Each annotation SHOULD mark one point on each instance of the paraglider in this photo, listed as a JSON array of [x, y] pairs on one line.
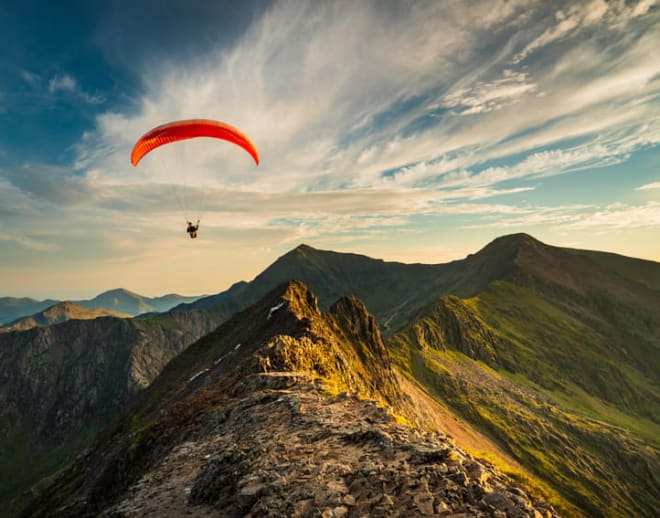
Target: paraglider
[[188, 129], [192, 229]]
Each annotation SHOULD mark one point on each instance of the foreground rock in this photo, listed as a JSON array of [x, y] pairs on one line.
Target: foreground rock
[[282, 447]]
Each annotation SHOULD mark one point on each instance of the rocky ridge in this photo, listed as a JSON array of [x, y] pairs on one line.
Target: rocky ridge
[[283, 411], [281, 446]]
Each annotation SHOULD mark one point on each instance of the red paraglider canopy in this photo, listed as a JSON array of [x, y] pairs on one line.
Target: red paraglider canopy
[[187, 129]]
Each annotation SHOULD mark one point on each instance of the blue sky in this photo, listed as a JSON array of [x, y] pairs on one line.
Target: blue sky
[[409, 131]]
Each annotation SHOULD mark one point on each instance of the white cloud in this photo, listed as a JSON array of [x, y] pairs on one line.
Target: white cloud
[[621, 216], [649, 186], [616, 216], [489, 96], [62, 83], [67, 84], [584, 15]]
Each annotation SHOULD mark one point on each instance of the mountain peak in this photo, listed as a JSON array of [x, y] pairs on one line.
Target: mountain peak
[[118, 292], [304, 248], [302, 302], [515, 241]]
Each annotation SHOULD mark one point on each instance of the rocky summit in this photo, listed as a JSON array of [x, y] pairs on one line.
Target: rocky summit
[[282, 411]]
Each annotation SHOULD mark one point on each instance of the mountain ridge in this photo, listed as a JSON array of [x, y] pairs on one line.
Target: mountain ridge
[[526, 343], [119, 299], [59, 312], [196, 433]]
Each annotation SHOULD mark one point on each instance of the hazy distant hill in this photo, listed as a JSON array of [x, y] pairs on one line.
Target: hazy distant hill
[[120, 300], [57, 313], [12, 308]]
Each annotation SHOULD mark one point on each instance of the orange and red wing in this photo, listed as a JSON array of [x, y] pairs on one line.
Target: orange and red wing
[[187, 129]]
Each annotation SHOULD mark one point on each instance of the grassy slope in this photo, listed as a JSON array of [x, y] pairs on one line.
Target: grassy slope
[[559, 353], [541, 402]]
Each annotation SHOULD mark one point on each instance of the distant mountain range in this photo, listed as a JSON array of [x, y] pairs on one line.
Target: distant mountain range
[[544, 359], [59, 312], [121, 300]]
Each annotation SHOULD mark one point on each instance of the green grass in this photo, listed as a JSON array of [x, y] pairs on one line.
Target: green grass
[[558, 352], [550, 401]]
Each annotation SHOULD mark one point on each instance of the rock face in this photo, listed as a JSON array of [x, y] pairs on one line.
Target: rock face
[[60, 384], [450, 323], [283, 411]]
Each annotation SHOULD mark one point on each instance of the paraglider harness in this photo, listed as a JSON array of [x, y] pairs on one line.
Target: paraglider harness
[[192, 229]]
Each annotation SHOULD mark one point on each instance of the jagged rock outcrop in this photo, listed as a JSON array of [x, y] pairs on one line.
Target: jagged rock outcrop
[[452, 324], [281, 447], [282, 411]]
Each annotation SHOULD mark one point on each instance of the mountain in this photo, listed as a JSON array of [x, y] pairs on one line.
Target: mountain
[[61, 384], [57, 313], [559, 354], [126, 301], [282, 411], [543, 359], [12, 308], [570, 330], [119, 300], [391, 290]]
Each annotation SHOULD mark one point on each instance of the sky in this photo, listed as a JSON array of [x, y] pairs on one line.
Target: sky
[[412, 131]]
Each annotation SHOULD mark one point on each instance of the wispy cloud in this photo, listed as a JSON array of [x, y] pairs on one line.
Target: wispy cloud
[[583, 15], [616, 216], [489, 96], [54, 184], [621, 216], [64, 83], [649, 186], [28, 243], [30, 78], [67, 84]]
